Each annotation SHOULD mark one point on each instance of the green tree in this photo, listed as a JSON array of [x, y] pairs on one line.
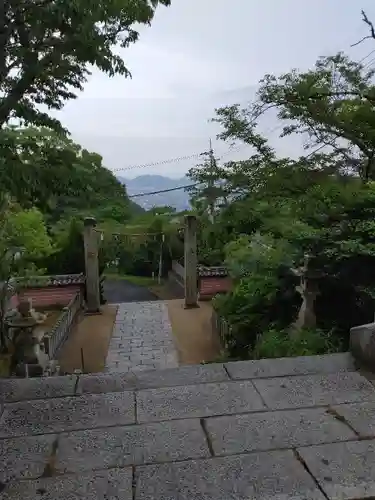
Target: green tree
[[46, 169], [322, 204], [325, 105], [26, 229], [47, 47], [68, 256], [209, 192], [23, 242]]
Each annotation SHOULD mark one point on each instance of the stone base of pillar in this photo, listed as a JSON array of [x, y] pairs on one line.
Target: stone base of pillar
[[93, 313], [192, 306], [362, 344], [33, 370]]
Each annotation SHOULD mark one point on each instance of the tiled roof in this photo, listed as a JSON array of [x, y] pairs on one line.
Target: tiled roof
[[44, 281], [213, 271]]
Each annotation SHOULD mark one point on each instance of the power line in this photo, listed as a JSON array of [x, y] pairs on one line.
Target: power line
[[171, 160], [182, 187], [156, 163], [369, 63], [231, 150], [163, 190], [198, 155], [368, 55], [198, 183], [182, 158]]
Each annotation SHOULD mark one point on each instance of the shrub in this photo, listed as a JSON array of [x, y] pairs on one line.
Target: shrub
[[254, 304], [280, 343]]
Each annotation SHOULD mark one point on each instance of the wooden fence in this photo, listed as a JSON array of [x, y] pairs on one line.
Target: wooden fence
[[63, 326], [178, 269], [222, 328]]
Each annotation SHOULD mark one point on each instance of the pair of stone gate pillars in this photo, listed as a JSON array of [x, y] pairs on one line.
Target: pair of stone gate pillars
[[91, 237]]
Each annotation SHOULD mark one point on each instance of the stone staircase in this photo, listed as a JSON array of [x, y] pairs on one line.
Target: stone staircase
[[280, 429]]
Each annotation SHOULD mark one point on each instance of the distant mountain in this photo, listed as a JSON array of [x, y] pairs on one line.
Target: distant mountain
[[149, 183]]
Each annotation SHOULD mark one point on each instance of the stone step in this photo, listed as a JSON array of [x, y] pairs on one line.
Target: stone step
[[12, 390], [268, 429]]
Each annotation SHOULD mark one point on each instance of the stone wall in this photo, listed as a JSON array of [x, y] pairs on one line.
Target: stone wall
[[46, 291], [212, 280]]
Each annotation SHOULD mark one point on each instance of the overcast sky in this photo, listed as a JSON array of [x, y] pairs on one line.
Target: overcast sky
[[197, 55]]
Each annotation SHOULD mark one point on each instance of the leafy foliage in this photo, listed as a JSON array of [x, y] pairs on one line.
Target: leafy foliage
[[326, 105], [280, 209], [47, 46], [44, 169], [263, 292], [280, 344]]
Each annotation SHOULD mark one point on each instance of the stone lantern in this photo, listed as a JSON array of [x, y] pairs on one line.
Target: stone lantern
[[308, 288]]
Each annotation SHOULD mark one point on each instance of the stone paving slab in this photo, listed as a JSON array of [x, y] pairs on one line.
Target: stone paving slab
[[272, 476], [131, 445], [197, 401], [361, 416], [36, 388], [282, 367], [314, 390], [345, 471], [274, 430], [24, 457], [64, 414], [142, 339], [185, 375], [110, 485], [98, 383], [162, 428], [119, 368]]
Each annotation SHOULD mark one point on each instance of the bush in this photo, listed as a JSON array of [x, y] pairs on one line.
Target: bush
[[254, 304], [280, 343]]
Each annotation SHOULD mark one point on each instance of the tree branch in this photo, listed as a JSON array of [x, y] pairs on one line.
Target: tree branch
[[370, 24], [3, 41]]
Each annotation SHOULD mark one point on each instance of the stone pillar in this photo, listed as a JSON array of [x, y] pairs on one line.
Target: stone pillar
[[362, 344], [190, 264], [90, 237]]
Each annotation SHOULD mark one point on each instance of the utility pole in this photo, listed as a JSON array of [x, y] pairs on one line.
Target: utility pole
[[211, 184], [161, 258]]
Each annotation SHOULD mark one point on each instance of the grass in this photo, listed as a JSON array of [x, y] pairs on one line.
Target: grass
[[307, 342]]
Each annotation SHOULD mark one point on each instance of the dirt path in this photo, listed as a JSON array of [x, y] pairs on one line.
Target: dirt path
[[92, 334], [192, 332]]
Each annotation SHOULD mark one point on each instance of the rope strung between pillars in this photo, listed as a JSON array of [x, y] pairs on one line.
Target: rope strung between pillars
[[116, 245]]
